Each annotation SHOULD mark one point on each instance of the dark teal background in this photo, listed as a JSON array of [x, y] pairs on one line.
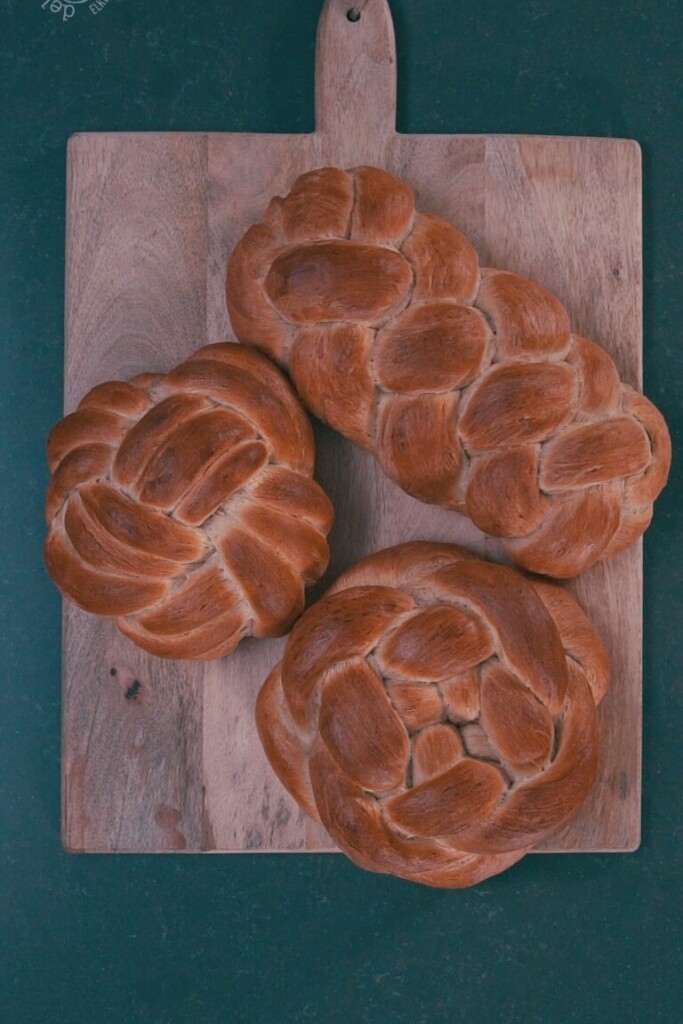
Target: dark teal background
[[284, 939]]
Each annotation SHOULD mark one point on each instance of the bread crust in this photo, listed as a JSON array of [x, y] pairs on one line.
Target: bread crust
[[437, 713], [183, 505], [467, 383]]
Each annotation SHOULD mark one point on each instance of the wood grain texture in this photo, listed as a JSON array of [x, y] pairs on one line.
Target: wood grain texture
[[151, 221]]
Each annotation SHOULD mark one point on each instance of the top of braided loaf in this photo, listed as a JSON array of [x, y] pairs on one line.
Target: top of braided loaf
[[437, 713], [467, 383], [183, 504]]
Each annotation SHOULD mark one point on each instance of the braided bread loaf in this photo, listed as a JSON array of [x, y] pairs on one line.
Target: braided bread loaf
[[437, 713], [466, 383], [183, 504]]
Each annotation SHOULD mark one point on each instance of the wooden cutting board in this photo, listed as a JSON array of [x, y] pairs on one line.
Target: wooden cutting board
[[163, 756]]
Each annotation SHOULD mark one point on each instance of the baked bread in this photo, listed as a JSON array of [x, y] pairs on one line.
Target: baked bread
[[183, 504], [437, 713], [467, 384]]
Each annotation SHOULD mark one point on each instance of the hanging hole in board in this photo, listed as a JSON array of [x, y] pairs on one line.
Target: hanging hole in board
[[353, 14]]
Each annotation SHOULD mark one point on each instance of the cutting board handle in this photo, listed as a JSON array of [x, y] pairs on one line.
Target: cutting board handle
[[355, 80]]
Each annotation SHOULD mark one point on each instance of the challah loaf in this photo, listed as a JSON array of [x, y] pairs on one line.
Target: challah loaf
[[183, 504], [437, 713], [467, 384]]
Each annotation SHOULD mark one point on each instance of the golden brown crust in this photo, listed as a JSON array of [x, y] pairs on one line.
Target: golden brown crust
[[184, 506], [578, 635], [337, 281], [466, 382], [429, 422], [340, 353], [437, 713], [434, 347]]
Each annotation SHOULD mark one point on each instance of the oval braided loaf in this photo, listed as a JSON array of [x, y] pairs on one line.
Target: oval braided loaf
[[183, 504], [437, 713], [467, 384]]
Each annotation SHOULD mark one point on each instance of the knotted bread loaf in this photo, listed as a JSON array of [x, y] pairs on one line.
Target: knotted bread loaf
[[437, 713], [467, 383], [183, 504]]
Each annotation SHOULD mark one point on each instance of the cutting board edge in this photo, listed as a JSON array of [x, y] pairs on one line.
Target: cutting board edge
[[630, 847], [75, 137]]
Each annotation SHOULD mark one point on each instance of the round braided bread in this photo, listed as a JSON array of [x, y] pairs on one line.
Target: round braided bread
[[467, 384], [437, 713], [183, 504]]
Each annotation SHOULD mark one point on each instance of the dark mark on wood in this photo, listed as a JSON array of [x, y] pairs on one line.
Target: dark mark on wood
[[133, 690], [208, 834], [282, 815], [112, 671], [253, 839]]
